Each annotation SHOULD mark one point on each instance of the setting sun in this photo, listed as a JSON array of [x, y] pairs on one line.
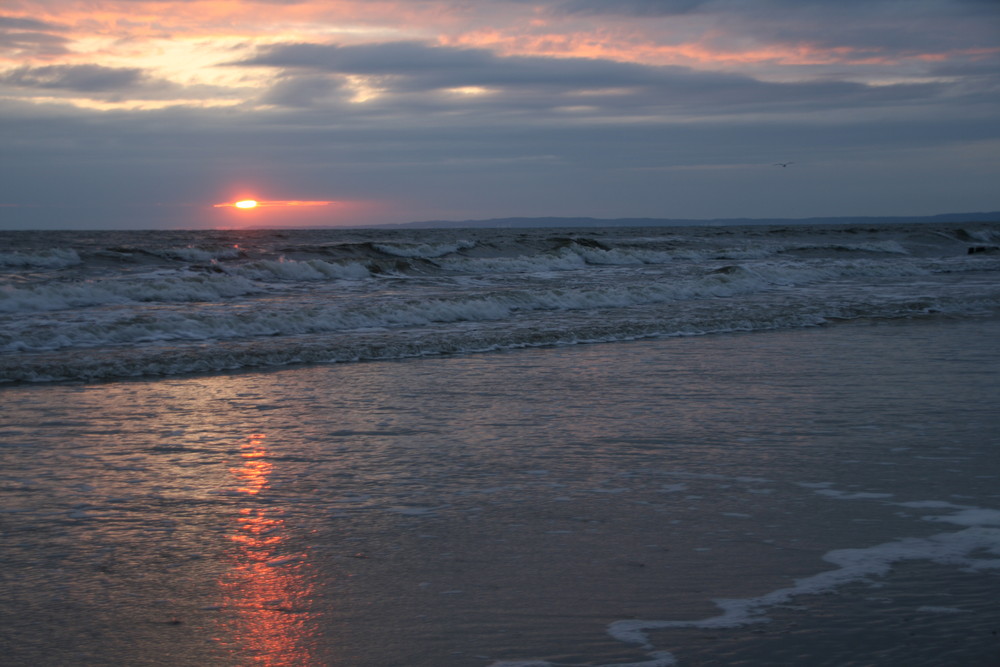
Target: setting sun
[[277, 203]]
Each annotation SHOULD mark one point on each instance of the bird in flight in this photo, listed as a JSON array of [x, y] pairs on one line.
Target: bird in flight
[[782, 164]]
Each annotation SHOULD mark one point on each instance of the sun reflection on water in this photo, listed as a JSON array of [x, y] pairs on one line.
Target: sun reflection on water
[[267, 594]]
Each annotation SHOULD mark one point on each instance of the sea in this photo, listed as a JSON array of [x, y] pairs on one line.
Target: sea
[[642, 447]]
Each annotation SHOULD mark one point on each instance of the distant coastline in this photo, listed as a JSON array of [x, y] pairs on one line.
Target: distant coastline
[[542, 222]]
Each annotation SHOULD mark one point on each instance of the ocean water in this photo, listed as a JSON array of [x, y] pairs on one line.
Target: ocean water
[[101, 305], [784, 452]]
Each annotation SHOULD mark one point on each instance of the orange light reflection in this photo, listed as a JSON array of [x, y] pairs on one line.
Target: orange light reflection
[[267, 591]]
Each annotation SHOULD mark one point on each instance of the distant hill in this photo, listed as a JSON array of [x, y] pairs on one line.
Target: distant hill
[[991, 216]]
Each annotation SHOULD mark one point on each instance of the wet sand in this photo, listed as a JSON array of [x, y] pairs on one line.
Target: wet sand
[[560, 505]]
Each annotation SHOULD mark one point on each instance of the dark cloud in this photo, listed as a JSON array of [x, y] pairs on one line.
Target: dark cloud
[[355, 138], [18, 23], [630, 7], [649, 8], [383, 58], [412, 77], [33, 43], [80, 78], [984, 69], [301, 91], [413, 67], [885, 27], [22, 38]]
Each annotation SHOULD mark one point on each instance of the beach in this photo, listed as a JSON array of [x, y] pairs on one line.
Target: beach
[[566, 505], [439, 333]]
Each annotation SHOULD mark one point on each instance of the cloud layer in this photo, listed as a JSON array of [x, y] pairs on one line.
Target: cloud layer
[[142, 114]]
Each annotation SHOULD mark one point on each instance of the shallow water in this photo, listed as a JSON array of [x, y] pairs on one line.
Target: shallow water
[[576, 506]]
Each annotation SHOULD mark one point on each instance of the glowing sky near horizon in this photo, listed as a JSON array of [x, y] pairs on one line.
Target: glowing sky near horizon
[[418, 109]]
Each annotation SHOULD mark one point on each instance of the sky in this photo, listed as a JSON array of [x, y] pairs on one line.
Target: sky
[[132, 114]]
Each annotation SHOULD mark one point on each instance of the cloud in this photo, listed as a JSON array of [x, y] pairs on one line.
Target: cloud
[[494, 166], [546, 105], [630, 7], [106, 87], [379, 58], [301, 91], [19, 23], [409, 68], [22, 38], [850, 29], [408, 75], [79, 78], [649, 8]]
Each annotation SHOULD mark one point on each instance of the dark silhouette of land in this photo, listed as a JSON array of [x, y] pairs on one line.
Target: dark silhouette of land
[[991, 216]]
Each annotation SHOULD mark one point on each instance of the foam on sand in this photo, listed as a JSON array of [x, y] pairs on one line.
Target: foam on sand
[[971, 549], [967, 549]]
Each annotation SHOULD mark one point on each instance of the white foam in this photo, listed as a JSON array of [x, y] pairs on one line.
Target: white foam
[[984, 235], [974, 516], [423, 250], [931, 504], [854, 565], [625, 256], [518, 297], [932, 609], [223, 323]]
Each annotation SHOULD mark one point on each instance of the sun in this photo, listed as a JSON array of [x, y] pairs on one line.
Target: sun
[[247, 204]]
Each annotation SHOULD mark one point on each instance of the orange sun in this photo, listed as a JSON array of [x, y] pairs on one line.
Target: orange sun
[[247, 204]]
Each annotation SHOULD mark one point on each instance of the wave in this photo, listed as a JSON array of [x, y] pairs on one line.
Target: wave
[[217, 321], [577, 255], [890, 247], [308, 270], [202, 255], [560, 261], [981, 235], [118, 304], [217, 283], [484, 335], [171, 254], [56, 258], [423, 250], [54, 296]]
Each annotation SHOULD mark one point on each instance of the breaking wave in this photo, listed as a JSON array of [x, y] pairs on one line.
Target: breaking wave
[[124, 304]]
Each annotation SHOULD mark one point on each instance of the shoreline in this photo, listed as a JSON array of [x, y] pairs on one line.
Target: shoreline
[[490, 509]]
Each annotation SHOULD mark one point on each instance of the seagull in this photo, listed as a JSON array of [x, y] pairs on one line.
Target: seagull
[[782, 164]]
